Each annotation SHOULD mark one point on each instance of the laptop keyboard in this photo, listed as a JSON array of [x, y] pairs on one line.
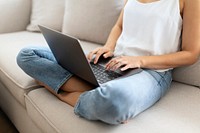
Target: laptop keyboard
[[102, 75]]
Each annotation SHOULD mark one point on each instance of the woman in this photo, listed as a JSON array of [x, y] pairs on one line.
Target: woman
[[147, 35]]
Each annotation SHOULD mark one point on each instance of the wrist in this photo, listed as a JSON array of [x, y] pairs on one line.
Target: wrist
[[109, 47], [141, 62]]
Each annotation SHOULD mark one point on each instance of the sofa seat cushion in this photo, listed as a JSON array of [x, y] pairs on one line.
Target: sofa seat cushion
[[11, 75], [177, 111]]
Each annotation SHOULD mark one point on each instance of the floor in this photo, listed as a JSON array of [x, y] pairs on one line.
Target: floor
[[5, 124]]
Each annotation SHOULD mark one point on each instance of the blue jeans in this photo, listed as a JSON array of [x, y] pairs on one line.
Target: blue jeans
[[113, 102]]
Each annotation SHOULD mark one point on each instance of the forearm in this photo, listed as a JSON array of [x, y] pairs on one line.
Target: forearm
[[113, 37], [115, 32], [173, 60]]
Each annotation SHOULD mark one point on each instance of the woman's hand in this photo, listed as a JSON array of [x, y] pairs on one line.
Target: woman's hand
[[124, 63], [105, 51]]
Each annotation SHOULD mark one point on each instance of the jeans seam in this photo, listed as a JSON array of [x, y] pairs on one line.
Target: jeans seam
[[62, 82]]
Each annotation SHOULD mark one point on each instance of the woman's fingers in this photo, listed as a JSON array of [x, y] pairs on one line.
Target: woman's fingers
[[115, 63], [119, 65], [108, 54], [99, 52], [122, 62], [105, 53], [92, 53], [126, 67]]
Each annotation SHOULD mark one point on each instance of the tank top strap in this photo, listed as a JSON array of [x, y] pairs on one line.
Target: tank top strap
[[173, 9]]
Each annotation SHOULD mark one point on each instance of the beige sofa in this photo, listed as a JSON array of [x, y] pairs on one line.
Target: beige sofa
[[33, 109]]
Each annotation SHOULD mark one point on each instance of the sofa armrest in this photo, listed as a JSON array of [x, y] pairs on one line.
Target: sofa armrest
[[188, 75], [14, 15]]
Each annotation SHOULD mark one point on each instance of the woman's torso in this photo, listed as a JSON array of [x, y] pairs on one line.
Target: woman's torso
[[150, 28]]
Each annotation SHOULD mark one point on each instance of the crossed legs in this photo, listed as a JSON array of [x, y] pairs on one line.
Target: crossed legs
[[71, 90], [39, 63], [113, 102]]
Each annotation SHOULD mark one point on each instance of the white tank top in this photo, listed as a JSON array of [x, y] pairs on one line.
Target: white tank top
[[150, 28]]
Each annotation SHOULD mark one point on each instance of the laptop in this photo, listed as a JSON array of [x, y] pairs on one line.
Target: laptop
[[69, 54]]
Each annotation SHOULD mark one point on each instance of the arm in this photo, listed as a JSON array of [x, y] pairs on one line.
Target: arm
[[115, 33], [190, 41], [108, 49], [190, 45]]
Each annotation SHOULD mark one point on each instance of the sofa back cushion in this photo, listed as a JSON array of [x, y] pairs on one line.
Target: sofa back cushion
[[188, 75], [47, 12], [91, 20], [14, 15]]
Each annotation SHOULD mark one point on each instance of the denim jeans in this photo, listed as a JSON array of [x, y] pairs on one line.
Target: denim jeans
[[112, 102]]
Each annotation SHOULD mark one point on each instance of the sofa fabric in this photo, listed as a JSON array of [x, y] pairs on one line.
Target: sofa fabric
[[46, 12], [94, 19], [13, 77], [16, 112], [188, 75], [177, 111], [16, 11]]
